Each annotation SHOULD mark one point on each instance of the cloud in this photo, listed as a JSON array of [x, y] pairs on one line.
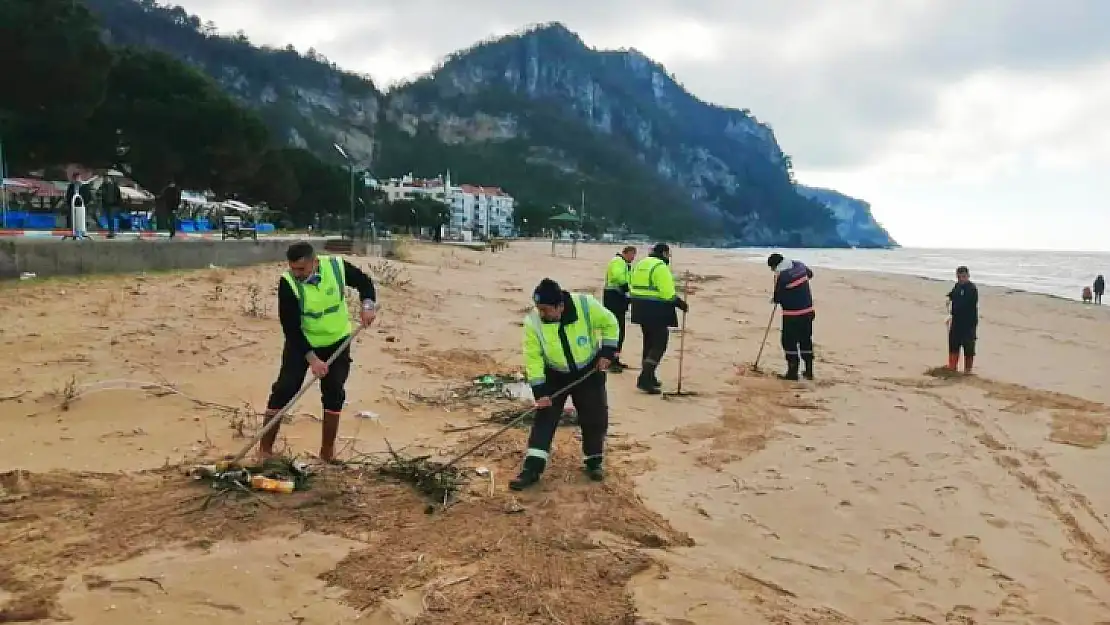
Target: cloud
[[834, 79]]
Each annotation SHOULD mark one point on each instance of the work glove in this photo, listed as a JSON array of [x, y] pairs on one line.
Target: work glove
[[682, 305]]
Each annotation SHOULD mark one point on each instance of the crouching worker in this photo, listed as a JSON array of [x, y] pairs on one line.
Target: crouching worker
[[568, 339], [312, 308]]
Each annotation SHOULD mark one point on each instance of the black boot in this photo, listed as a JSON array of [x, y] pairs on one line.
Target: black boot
[[791, 370], [529, 475], [808, 372], [647, 382], [593, 469]]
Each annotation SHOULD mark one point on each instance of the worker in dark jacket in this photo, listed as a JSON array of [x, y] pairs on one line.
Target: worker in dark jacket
[[654, 301], [793, 295], [569, 341], [312, 308], [615, 295], [1100, 288], [963, 320]]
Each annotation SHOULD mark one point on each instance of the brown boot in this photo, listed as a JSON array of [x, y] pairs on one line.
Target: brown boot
[[954, 361], [328, 434], [266, 445], [968, 362]]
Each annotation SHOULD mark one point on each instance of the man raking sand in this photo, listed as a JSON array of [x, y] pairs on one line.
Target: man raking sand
[[312, 307]]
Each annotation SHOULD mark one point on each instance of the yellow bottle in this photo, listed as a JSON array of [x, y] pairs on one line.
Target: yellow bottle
[[269, 485]]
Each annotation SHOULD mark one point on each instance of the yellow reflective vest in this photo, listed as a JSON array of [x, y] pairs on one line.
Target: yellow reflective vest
[[616, 275], [594, 328], [324, 317], [651, 279]]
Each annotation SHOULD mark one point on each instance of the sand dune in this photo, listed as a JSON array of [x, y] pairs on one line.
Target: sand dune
[[885, 492]]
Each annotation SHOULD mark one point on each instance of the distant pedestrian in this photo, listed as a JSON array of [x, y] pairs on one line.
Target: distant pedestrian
[[1100, 288], [111, 202], [963, 320], [72, 190], [169, 202]]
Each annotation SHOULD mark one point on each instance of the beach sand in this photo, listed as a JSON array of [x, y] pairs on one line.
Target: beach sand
[[880, 493]]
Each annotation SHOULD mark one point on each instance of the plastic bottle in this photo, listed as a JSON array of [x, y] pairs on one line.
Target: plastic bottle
[[269, 485]]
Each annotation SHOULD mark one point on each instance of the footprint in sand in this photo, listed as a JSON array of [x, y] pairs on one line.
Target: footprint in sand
[[994, 521]]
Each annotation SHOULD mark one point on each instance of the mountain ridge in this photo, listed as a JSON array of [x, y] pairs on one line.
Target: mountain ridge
[[538, 112]]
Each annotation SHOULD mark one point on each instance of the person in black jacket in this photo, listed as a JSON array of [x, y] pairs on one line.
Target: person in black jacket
[[793, 295], [111, 201], [169, 203], [1100, 288], [299, 289], [963, 320], [72, 190]]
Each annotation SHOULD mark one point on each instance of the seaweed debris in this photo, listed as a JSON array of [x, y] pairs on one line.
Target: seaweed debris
[[434, 480]]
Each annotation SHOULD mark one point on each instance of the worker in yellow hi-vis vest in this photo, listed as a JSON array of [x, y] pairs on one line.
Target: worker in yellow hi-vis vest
[[654, 300], [615, 296], [312, 308], [569, 341]]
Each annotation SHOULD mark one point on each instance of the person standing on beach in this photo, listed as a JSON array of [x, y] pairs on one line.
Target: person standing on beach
[[793, 295], [569, 340], [654, 300], [1100, 288], [615, 296], [111, 201], [312, 308], [963, 320], [170, 202]]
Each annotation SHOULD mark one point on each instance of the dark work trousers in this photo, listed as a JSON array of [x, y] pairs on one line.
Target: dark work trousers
[[592, 404], [961, 336], [291, 376], [110, 217], [797, 339], [617, 303], [655, 344]]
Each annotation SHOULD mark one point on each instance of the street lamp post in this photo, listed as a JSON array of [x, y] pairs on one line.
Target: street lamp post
[[351, 169]]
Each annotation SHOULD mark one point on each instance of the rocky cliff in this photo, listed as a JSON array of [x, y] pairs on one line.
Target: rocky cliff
[[855, 223], [601, 120], [305, 99]]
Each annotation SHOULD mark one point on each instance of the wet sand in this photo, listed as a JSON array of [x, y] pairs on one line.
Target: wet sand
[[879, 493]]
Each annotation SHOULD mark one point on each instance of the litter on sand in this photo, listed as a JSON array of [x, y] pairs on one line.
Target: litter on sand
[[275, 475]]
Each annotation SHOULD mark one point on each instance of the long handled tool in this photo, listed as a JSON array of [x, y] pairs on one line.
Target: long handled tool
[[274, 420], [512, 424], [678, 392], [766, 333]]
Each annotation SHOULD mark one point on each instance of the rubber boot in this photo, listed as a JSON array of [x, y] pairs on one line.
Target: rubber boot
[[329, 431], [266, 445], [647, 382], [954, 361], [594, 470], [808, 373], [968, 362], [529, 475], [791, 370]]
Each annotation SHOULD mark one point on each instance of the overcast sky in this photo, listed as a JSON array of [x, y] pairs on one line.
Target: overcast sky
[[965, 123]]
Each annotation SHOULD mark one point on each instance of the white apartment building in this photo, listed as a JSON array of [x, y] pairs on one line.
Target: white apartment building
[[482, 211]]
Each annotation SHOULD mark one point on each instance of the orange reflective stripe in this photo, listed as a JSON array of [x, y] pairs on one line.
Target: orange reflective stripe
[[797, 313], [798, 282]]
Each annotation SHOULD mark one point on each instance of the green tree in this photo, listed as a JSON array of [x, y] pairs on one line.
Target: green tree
[[55, 71]]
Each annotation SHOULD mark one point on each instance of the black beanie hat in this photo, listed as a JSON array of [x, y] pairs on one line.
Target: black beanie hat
[[661, 248], [774, 260], [548, 293]]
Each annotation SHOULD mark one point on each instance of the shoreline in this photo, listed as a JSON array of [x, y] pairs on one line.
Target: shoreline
[[856, 498]]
